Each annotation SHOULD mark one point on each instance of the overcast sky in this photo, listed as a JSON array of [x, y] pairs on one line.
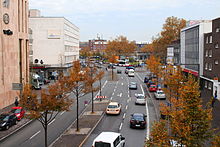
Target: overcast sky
[[138, 20]]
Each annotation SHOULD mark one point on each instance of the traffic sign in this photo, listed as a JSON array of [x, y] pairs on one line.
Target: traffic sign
[[101, 97]]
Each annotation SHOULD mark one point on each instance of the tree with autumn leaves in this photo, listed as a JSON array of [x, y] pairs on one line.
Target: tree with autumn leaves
[[187, 121], [56, 97]]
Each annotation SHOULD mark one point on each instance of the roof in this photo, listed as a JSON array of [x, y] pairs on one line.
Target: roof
[[138, 114], [113, 103], [107, 137]]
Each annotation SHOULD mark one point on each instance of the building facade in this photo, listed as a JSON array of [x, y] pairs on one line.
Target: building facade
[[54, 41], [211, 70], [97, 45], [173, 53], [192, 47], [14, 64]]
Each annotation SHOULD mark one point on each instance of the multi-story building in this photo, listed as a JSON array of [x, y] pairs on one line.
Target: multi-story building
[[173, 53], [97, 45], [211, 70], [140, 55], [54, 42], [192, 47], [14, 66]]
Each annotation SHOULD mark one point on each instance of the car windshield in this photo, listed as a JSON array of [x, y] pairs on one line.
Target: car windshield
[[160, 92], [153, 86], [133, 83], [16, 110], [140, 97], [4, 118], [112, 106], [102, 144], [138, 117]]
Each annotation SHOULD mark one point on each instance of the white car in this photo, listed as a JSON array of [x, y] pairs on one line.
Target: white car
[[159, 94], [113, 108], [131, 73], [140, 99]]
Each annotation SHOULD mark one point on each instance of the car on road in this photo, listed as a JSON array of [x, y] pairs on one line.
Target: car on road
[[159, 94], [113, 108], [140, 99], [109, 139], [131, 73], [19, 112], [7, 120], [119, 71], [153, 88], [138, 120], [146, 79], [132, 85], [149, 83], [128, 68]]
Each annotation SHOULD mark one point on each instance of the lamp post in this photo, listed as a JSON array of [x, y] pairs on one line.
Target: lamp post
[[91, 75]]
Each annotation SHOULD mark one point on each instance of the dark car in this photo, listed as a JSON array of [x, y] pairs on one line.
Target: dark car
[[146, 79], [132, 85], [118, 71], [7, 120], [128, 68], [19, 112], [138, 120]]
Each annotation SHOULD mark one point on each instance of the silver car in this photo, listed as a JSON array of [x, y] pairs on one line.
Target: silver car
[[140, 99]]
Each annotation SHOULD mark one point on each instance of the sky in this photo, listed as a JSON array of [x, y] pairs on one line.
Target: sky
[[138, 20]]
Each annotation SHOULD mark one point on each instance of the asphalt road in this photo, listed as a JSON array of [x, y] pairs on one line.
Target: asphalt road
[[120, 123], [33, 134]]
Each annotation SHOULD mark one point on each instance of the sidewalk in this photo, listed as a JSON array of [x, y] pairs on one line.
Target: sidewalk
[[87, 123]]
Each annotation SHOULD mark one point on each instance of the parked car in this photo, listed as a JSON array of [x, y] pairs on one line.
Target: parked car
[[7, 120], [153, 88], [19, 112], [146, 79], [138, 120], [150, 82], [118, 71], [159, 94], [109, 139], [140, 99], [113, 108], [132, 85]]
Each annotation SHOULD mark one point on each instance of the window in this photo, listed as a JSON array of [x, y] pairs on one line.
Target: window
[[117, 141], [210, 53], [210, 85], [206, 84], [217, 30], [206, 66], [207, 40], [216, 62], [206, 53], [216, 45], [210, 39], [210, 66]]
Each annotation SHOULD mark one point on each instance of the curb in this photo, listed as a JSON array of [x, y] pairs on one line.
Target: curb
[[16, 130], [87, 136]]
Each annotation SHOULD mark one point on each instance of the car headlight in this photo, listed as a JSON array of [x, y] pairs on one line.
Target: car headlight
[[4, 124]]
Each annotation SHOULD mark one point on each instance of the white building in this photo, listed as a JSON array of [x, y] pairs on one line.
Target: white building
[[192, 46], [55, 40]]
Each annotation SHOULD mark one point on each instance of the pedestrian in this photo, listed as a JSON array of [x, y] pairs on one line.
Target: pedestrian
[[214, 98], [16, 101]]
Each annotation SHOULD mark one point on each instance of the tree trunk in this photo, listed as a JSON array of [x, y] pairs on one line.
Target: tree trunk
[[45, 130], [112, 73], [77, 109]]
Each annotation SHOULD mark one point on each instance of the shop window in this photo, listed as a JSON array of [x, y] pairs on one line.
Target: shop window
[[206, 84]]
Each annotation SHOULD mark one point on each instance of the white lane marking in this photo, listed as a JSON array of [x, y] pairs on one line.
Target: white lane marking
[[114, 90], [111, 98], [120, 95], [121, 77], [128, 100], [148, 117], [124, 115], [122, 83], [126, 107], [113, 93], [51, 122], [120, 126], [62, 112], [34, 135]]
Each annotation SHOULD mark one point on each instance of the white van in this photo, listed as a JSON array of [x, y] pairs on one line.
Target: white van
[[131, 73], [109, 139]]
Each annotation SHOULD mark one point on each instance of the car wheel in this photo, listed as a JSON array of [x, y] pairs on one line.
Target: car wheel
[[16, 122], [123, 145], [7, 127]]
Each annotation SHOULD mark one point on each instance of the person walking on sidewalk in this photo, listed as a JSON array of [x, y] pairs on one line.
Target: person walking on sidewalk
[[214, 98], [16, 101]]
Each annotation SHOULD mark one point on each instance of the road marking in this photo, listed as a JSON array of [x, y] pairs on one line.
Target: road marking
[[34, 135], [122, 83], [51, 122], [120, 95], [126, 107], [114, 90], [111, 98], [121, 77], [128, 100], [62, 112], [124, 115], [148, 117], [120, 126], [113, 93]]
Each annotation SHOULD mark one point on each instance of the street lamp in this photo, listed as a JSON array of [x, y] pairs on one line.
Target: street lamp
[[91, 66]]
